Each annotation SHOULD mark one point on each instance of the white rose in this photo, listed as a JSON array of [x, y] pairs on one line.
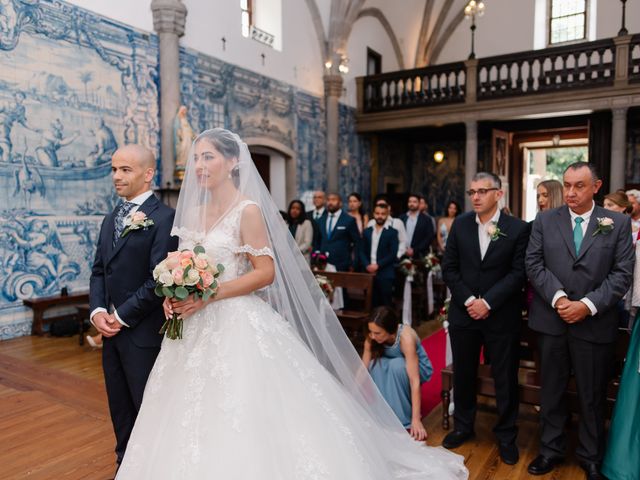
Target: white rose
[[192, 277], [166, 278], [491, 229], [606, 221]]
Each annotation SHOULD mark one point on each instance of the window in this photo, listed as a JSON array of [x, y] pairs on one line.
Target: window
[[374, 62], [247, 16], [567, 21]]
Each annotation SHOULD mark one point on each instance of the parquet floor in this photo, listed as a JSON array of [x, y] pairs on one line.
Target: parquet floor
[[54, 421]]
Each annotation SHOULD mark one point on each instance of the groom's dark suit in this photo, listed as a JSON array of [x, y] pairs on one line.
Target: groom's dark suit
[[121, 278], [498, 278], [600, 272]]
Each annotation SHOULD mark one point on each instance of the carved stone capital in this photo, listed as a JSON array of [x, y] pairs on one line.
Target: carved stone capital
[[169, 16], [333, 85], [619, 113]]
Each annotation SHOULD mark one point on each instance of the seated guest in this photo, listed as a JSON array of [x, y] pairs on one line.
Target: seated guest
[[624, 437], [356, 210], [300, 227], [396, 224], [378, 255], [398, 365], [339, 235], [444, 224], [420, 228], [549, 195]]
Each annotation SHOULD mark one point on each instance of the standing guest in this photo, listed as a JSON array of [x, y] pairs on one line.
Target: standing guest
[[580, 263], [424, 209], [378, 255], [339, 236], [618, 201], [319, 203], [445, 223], [619, 460], [124, 307], [420, 228], [634, 198], [483, 266], [356, 210], [398, 365], [300, 227], [549, 195], [396, 224]]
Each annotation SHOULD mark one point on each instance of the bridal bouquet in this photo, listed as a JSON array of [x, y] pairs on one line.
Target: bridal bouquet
[[184, 273]]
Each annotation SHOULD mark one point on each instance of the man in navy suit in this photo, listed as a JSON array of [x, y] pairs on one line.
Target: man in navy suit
[[378, 255], [420, 230], [124, 307], [339, 235]]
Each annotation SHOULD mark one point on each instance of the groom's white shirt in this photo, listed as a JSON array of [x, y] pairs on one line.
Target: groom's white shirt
[[139, 200]]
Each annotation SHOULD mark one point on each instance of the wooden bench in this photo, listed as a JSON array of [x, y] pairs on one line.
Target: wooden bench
[[529, 378], [358, 289], [40, 305]]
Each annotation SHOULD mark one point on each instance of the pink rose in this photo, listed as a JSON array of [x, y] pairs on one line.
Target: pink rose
[[186, 254], [207, 279], [138, 217], [172, 262], [201, 263], [184, 262], [178, 273]]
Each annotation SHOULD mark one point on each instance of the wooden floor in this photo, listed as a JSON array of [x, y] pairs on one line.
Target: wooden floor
[[54, 421]]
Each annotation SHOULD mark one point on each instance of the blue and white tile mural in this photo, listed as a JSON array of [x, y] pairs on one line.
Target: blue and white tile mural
[[73, 87]]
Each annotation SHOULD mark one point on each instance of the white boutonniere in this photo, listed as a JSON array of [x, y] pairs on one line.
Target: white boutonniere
[[605, 225], [136, 221], [494, 231]]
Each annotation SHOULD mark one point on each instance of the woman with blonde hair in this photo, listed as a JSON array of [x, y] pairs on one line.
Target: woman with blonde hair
[[549, 195]]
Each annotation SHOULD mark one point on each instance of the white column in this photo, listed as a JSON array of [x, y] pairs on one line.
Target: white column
[[618, 149], [332, 93], [169, 17], [470, 157]]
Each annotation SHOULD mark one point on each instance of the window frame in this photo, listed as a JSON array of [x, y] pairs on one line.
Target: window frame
[[249, 10], [550, 18]]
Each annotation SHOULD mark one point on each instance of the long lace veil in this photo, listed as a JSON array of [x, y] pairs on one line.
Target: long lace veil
[[295, 293]]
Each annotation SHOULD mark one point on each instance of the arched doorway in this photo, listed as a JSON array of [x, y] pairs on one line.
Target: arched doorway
[[276, 166]]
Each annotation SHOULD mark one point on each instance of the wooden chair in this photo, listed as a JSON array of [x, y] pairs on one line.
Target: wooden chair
[[40, 305], [359, 295], [529, 376]]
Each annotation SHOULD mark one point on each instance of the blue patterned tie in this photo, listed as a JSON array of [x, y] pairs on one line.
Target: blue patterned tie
[[123, 210], [577, 234]]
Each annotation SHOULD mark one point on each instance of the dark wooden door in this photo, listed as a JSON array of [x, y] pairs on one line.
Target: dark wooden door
[[262, 164]]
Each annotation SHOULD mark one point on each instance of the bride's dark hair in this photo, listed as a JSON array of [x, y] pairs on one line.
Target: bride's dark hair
[[223, 141]]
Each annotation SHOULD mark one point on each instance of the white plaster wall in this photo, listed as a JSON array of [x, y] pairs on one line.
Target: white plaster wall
[[367, 32], [508, 26], [136, 13]]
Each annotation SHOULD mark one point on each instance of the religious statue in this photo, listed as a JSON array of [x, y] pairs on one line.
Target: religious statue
[[183, 138]]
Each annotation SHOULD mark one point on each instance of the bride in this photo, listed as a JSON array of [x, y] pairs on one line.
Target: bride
[[264, 383]]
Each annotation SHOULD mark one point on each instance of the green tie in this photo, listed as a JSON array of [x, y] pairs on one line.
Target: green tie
[[577, 234]]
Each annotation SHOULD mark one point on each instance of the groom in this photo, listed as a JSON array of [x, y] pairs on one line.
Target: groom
[[124, 308]]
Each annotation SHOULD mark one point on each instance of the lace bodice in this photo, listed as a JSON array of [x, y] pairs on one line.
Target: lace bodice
[[225, 245]]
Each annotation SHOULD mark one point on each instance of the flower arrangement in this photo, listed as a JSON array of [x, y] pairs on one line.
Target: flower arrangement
[[432, 262], [494, 231], [407, 267], [319, 260], [136, 221], [184, 273], [605, 225], [326, 286], [443, 313]]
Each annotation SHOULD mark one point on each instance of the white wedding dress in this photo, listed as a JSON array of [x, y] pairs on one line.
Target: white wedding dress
[[241, 397]]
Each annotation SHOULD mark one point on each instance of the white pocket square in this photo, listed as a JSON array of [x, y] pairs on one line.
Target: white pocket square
[[340, 228]]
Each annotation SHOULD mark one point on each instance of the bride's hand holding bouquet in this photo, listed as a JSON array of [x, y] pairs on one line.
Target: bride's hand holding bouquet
[[187, 279]]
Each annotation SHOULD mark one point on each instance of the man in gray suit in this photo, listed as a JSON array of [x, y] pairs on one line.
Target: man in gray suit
[[580, 263]]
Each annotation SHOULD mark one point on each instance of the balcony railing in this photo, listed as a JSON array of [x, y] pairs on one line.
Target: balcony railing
[[435, 85], [599, 64], [634, 59], [584, 65]]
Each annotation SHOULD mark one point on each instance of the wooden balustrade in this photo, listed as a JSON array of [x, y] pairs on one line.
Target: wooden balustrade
[[584, 65], [435, 85], [634, 59]]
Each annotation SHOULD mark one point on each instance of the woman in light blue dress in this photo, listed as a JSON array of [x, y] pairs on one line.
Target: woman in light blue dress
[[398, 365], [444, 224]]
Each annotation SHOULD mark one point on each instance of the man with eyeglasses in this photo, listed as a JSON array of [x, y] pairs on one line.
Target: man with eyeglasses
[[483, 266]]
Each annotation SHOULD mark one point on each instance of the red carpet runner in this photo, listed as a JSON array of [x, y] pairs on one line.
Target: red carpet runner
[[435, 346]]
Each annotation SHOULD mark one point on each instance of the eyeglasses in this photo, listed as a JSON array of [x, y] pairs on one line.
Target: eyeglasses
[[481, 191]]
